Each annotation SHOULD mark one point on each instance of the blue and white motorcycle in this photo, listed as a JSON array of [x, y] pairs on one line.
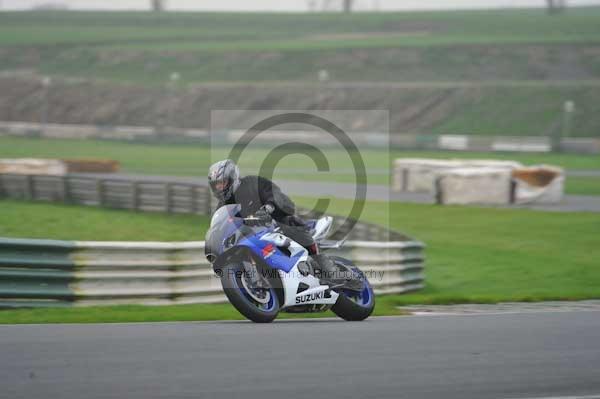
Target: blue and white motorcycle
[[262, 271]]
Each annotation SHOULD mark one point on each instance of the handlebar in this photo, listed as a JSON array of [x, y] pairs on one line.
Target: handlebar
[[255, 219]]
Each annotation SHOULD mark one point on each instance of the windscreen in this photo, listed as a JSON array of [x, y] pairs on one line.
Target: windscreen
[[223, 213], [223, 223]]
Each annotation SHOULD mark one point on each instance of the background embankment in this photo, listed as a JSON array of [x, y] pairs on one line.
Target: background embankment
[[528, 110], [485, 72]]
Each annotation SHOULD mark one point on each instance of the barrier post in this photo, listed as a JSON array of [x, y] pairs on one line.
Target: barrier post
[[29, 187], [193, 200], [100, 192], [65, 195], [135, 194], [168, 207]]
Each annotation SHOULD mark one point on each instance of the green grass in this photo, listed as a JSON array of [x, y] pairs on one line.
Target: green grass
[[474, 254], [492, 255], [516, 63], [483, 255], [145, 47], [135, 313], [583, 185], [193, 160], [67, 222], [52, 221], [389, 41], [120, 314], [502, 47], [40, 28], [523, 110]]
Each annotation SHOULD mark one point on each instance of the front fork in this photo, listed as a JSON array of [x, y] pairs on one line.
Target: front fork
[[252, 272]]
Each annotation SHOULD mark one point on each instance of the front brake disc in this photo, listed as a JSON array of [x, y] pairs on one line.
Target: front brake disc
[[260, 295]]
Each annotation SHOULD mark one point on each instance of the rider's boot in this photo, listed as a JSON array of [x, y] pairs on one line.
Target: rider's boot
[[327, 272]]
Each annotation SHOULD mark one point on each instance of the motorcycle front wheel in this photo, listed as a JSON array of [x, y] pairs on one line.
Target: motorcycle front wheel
[[258, 305]]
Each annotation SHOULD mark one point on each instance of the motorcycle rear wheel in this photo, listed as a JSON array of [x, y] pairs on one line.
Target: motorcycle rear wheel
[[353, 305]]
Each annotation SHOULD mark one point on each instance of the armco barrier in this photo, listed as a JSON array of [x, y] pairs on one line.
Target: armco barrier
[[126, 133], [145, 195], [580, 145], [62, 273], [38, 273], [148, 196]]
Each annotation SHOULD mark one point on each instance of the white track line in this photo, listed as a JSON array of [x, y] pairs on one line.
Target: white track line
[[492, 313], [562, 397]]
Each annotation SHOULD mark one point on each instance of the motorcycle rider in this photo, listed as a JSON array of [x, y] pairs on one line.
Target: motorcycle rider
[[263, 199]]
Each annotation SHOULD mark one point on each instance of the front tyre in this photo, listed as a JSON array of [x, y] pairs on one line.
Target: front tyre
[[354, 305], [260, 306]]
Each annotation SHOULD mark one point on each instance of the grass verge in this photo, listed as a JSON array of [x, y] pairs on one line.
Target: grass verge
[[583, 185], [137, 313], [495, 255], [132, 45], [70, 222], [474, 255]]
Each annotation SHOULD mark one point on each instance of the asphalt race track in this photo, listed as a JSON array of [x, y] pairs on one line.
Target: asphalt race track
[[538, 355]]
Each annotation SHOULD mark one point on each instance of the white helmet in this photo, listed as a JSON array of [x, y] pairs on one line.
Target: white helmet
[[224, 179]]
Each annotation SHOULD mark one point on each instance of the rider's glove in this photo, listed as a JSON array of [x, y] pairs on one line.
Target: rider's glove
[[264, 213], [269, 208]]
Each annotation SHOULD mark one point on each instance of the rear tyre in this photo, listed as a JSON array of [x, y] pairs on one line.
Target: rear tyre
[[354, 305], [246, 302]]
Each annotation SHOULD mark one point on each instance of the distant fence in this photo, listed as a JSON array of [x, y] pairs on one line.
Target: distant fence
[[362, 139], [39, 273], [102, 132], [157, 196], [149, 196]]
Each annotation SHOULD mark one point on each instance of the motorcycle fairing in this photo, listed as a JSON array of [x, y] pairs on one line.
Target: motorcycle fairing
[[276, 250], [267, 248]]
